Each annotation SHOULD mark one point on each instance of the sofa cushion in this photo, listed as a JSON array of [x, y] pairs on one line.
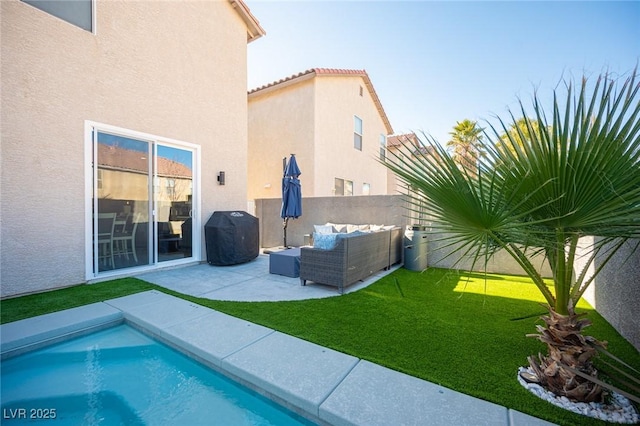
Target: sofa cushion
[[338, 227], [352, 234], [353, 228]]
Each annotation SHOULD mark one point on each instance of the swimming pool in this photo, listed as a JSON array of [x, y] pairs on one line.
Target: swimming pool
[[122, 376]]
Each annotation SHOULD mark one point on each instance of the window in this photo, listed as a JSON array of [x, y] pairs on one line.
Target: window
[[338, 186], [348, 187], [366, 189], [171, 188], [361, 91], [357, 133], [383, 147], [77, 12], [342, 187]]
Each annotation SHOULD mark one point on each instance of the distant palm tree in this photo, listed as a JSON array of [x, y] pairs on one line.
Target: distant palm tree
[[577, 176], [466, 144], [519, 134]]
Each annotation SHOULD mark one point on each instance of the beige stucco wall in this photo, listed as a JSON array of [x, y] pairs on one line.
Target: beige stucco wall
[[615, 292], [337, 101], [172, 69], [313, 117], [280, 123]]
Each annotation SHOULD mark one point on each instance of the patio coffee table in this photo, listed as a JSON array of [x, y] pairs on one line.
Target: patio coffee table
[[286, 262]]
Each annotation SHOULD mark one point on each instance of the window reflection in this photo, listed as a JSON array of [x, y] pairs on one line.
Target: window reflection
[[122, 192], [175, 173], [125, 194]]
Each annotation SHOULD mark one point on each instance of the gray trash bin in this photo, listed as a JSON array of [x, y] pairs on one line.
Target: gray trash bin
[[415, 248]]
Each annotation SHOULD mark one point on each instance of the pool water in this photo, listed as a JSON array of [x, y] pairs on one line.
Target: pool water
[[120, 376]]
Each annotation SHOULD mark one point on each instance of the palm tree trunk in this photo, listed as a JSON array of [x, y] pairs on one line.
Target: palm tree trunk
[[563, 286], [568, 349]]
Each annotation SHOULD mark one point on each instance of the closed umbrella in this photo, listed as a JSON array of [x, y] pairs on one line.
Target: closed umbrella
[[291, 194]]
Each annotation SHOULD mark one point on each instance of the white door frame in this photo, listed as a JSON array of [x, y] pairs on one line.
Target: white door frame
[[90, 188]]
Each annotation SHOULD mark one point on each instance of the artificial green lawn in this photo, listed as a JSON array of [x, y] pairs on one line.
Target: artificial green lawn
[[463, 331]]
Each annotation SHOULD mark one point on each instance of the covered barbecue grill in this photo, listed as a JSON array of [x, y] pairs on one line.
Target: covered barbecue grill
[[232, 237]]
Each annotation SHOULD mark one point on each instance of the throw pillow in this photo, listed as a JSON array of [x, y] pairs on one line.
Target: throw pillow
[[324, 241], [323, 229]]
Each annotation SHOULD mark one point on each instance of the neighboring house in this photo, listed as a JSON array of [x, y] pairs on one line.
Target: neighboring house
[[395, 147], [117, 118], [332, 119]]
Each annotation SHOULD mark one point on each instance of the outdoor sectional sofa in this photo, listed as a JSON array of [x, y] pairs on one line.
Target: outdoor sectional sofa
[[354, 256]]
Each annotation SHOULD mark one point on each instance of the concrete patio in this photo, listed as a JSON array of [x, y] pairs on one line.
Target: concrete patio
[[247, 282]]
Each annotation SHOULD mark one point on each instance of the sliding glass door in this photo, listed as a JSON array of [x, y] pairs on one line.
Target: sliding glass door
[[174, 202], [142, 203]]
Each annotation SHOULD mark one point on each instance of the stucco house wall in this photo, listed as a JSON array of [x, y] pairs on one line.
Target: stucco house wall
[[281, 123], [338, 100], [311, 114], [173, 69]]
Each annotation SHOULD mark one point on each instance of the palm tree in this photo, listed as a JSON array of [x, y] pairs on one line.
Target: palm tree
[[518, 133], [578, 175], [466, 144]]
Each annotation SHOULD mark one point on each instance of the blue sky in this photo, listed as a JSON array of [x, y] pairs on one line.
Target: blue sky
[[436, 63]]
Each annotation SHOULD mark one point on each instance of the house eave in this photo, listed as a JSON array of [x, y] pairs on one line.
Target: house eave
[[254, 30], [325, 72], [281, 84]]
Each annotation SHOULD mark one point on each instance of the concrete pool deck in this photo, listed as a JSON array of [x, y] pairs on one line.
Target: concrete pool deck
[[321, 384]]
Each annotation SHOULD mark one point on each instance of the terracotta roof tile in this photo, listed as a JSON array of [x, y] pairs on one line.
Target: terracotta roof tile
[[282, 80], [339, 71], [316, 71], [397, 140], [310, 73], [114, 157]]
